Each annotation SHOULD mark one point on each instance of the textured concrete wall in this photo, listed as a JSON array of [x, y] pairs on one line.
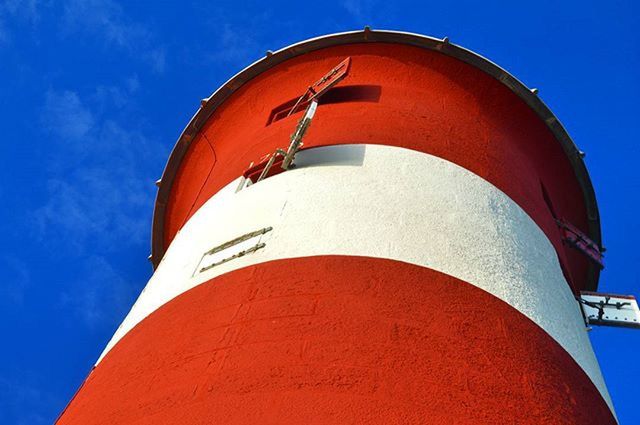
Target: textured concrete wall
[[383, 202], [412, 270], [337, 340], [427, 102]]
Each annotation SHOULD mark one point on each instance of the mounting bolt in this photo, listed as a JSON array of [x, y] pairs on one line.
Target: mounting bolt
[[150, 258], [445, 40], [269, 53], [367, 28], [582, 154], [203, 102], [158, 182], [534, 91]]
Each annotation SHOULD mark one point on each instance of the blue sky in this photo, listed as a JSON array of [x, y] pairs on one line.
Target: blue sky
[[93, 95]]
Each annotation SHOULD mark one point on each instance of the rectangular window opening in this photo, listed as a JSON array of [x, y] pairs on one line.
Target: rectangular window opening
[[354, 93]]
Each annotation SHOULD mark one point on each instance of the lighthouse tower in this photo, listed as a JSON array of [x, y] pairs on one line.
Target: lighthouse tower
[[366, 227]]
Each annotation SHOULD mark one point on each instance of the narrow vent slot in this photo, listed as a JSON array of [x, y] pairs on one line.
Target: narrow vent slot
[[235, 248]]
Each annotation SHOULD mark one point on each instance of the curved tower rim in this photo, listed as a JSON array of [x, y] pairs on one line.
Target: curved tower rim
[[443, 46]]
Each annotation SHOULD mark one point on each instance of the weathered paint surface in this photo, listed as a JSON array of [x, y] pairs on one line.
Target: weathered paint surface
[[383, 202], [335, 340], [401, 96], [414, 271]]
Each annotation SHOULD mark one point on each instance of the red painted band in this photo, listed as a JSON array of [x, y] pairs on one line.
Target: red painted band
[[336, 339], [423, 100]]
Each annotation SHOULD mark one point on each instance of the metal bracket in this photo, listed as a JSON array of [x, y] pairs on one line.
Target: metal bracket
[[295, 145], [323, 85], [609, 309], [580, 241], [281, 159]]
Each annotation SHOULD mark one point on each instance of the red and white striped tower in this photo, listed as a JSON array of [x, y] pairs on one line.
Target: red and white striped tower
[[411, 267]]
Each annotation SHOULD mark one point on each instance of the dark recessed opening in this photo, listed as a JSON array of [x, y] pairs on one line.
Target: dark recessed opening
[[561, 255], [547, 200], [281, 111], [356, 93]]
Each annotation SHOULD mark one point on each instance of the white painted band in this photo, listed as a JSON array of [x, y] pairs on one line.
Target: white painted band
[[384, 202]]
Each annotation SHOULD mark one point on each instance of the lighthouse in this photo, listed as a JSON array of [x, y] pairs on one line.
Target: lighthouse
[[365, 227]]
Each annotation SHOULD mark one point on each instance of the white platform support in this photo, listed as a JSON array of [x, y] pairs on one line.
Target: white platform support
[[610, 310]]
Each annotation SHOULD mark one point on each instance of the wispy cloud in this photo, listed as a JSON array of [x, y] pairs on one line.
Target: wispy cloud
[[65, 115], [17, 10], [21, 399], [4, 33], [234, 45], [102, 295], [106, 20], [364, 11], [100, 190], [99, 194], [157, 59], [12, 290], [231, 43], [28, 10]]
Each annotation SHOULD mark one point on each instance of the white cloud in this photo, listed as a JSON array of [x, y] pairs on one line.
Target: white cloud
[[28, 10], [157, 59], [230, 41], [234, 45], [101, 295], [18, 279], [18, 11], [132, 84], [66, 116], [23, 401], [106, 20], [363, 11], [99, 195], [102, 192], [4, 33], [231, 45]]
